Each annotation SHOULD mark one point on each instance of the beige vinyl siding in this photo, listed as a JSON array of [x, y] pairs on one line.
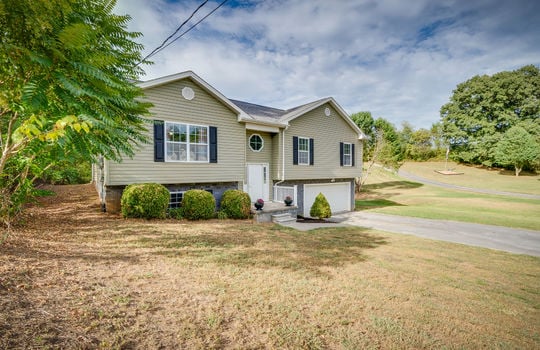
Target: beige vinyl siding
[[276, 157], [203, 109], [327, 133], [265, 154]]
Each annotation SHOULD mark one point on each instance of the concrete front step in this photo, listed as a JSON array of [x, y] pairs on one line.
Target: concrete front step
[[282, 218]]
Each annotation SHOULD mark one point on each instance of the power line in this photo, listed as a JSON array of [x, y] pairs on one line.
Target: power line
[[193, 26], [160, 47], [164, 44]]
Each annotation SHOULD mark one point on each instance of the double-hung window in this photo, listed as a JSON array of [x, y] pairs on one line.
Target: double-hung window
[[186, 142], [347, 154], [303, 151]]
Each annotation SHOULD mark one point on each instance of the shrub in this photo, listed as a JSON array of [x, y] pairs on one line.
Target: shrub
[[236, 204], [221, 215], [146, 201], [320, 208], [198, 205], [176, 213]]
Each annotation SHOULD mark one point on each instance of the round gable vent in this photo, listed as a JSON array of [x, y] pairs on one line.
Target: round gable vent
[[188, 93], [327, 112]]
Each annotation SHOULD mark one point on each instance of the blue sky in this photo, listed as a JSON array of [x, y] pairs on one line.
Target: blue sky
[[399, 60]]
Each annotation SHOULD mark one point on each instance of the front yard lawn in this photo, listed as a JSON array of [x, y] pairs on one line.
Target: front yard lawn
[[72, 277]]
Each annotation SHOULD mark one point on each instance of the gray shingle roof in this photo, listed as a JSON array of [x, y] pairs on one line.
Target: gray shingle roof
[[260, 112]]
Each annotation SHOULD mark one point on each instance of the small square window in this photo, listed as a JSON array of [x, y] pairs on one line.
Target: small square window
[[175, 200]]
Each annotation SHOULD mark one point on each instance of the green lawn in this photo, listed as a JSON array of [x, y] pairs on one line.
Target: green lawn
[[387, 193], [474, 176]]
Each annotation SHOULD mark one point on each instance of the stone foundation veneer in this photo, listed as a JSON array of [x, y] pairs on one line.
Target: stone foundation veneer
[[114, 193]]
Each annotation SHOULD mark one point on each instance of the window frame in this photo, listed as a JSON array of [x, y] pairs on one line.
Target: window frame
[[176, 204], [262, 143], [187, 142], [306, 152], [347, 155]]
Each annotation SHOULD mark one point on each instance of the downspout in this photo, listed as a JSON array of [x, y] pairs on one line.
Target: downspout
[[282, 157]]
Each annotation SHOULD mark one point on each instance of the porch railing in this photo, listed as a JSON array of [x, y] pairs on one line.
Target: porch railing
[[280, 192]]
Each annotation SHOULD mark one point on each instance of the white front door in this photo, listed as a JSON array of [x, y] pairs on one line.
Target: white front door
[[257, 181]]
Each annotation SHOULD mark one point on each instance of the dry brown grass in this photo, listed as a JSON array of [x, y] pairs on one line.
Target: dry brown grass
[[75, 278]]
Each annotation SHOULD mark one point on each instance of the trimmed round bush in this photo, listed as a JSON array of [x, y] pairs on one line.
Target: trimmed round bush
[[236, 204], [148, 201], [320, 208], [198, 205]]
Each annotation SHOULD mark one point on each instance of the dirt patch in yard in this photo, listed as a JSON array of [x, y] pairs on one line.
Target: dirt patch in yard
[[72, 277]]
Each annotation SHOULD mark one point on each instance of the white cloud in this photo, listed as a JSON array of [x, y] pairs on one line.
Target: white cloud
[[399, 60]]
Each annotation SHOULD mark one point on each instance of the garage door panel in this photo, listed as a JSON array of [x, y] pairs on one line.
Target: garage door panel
[[337, 194]]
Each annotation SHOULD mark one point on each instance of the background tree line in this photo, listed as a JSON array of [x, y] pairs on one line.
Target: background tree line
[[489, 120]]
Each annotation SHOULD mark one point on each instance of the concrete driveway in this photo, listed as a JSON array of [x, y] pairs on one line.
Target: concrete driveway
[[507, 239], [512, 240]]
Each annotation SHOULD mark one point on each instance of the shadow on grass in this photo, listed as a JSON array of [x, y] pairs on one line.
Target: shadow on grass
[[373, 203], [523, 173], [268, 246], [392, 184]]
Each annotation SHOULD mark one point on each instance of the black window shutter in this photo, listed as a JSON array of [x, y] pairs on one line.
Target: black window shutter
[[159, 141], [311, 152], [341, 153], [213, 144], [352, 154], [295, 150]]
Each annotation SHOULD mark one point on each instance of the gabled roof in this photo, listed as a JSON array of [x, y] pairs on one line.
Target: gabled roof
[[199, 81], [303, 109], [253, 113], [283, 117]]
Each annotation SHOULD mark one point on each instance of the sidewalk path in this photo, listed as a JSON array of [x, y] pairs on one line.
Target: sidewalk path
[[412, 177]]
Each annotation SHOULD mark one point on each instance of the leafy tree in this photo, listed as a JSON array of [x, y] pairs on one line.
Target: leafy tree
[[391, 150], [438, 140], [366, 123], [67, 72], [517, 148], [484, 107], [420, 147]]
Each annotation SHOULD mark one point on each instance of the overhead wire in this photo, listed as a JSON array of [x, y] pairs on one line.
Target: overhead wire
[[194, 25], [165, 44]]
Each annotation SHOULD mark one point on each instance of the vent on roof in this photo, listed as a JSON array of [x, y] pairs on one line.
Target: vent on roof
[[327, 112], [188, 93]]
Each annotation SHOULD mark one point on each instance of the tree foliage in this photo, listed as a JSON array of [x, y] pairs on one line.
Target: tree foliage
[[383, 140], [67, 72], [517, 148], [482, 109]]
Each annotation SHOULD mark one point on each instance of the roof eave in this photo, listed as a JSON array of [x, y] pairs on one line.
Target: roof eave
[[201, 82]]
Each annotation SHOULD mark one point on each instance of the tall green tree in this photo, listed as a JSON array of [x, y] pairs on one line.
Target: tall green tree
[[483, 108], [517, 148], [366, 123], [392, 150], [67, 73]]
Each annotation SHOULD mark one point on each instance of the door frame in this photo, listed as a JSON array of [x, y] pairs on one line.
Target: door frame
[[265, 180]]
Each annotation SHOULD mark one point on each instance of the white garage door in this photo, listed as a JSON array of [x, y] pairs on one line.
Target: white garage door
[[338, 195]]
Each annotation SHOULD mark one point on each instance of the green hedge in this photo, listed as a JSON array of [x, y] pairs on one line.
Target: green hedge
[[149, 200], [198, 205], [236, 204], [320, 208]]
